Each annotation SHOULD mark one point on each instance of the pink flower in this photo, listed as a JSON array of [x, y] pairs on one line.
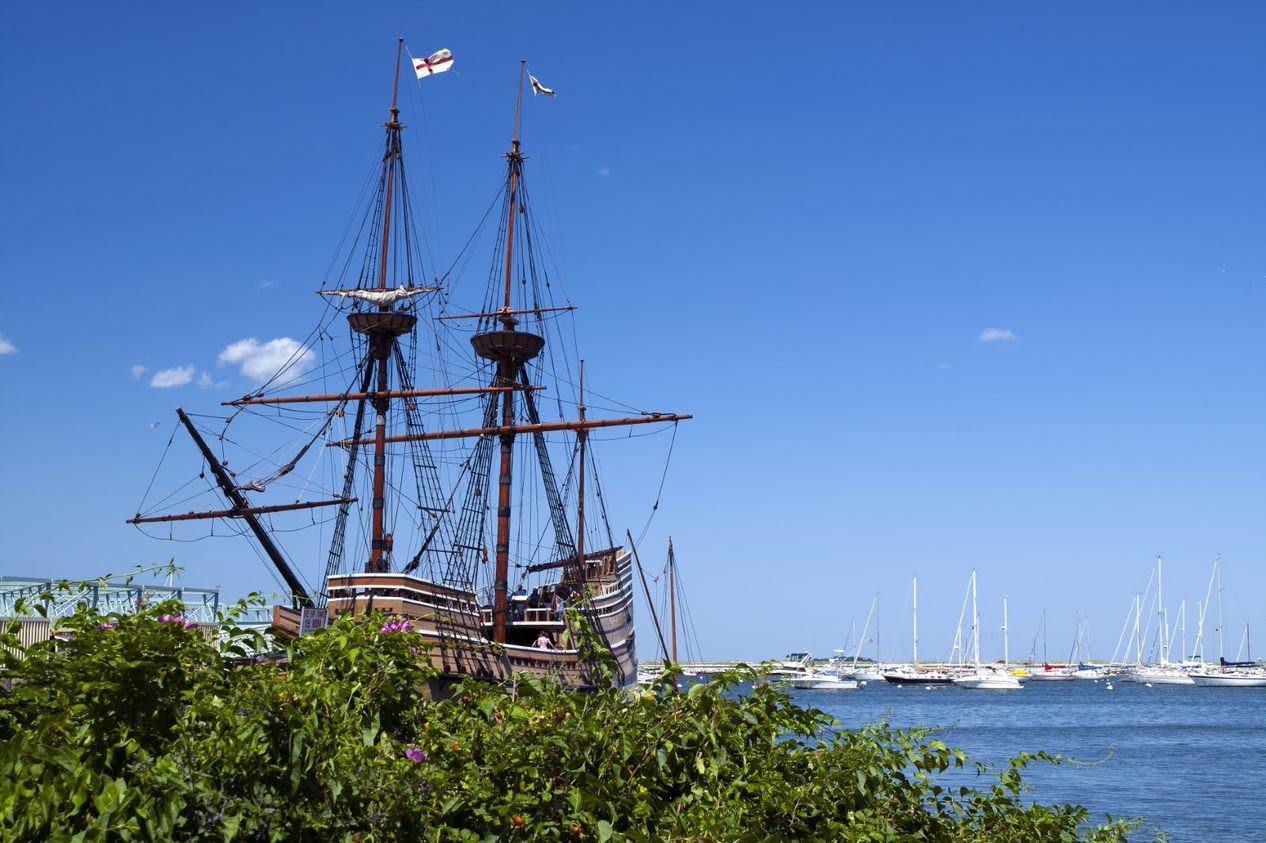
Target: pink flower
[[415, 755], [105, 626]]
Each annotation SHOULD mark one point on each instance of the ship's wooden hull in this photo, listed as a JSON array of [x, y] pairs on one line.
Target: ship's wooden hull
[[457, 630]]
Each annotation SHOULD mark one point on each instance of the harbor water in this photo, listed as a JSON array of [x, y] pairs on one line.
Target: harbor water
[[1190, 761]]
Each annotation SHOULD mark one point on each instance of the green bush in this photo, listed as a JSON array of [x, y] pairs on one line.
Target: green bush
[[140, 727]]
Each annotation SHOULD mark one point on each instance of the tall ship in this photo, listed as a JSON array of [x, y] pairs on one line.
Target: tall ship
[[432, 460]]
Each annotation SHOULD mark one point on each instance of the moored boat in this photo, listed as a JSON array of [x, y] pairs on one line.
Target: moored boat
[[1051, 673], [987, 678], [913, 674], [1245, 674], [1229, 679], [430, 522]]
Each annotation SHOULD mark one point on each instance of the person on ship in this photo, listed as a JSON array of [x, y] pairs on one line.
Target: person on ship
[[543, 641]]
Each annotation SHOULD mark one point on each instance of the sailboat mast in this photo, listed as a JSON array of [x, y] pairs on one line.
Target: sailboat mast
[[914, 617], [1006, 645], [1218, 566], [975, 622], [1138, 632], [1162, 623]]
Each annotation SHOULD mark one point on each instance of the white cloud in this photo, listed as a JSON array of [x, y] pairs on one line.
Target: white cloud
[[604, 171], [7, 347], [137, 371], [166, 378], [264, 285], [261, 362], [207, 382], [996, 335]]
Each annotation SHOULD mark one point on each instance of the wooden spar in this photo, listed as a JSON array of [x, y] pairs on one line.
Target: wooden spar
[[393, 152], [238, 513], [570, 560], [365, 396], [297, 591], [377, 546], [515, 157], [514, 430], [672, 598], [581, 437], [536, 311]]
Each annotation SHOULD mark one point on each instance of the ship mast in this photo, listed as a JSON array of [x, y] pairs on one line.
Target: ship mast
[[382, 327], [509, 349]]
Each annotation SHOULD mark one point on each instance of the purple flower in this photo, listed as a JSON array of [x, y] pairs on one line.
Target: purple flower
[[415, 755], [398, 625], [178, 620], [105, 626]]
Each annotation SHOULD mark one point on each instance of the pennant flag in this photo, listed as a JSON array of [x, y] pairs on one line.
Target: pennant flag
[[538, 88], [436, 62]]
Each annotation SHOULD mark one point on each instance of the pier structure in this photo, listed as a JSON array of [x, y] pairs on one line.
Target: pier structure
[[201, 605], [60, 598]]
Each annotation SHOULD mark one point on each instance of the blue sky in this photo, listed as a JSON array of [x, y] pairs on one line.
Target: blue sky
[[944, 285]]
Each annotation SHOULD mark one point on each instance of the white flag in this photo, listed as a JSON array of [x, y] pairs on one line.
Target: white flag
[[538, 88], [437, 62]]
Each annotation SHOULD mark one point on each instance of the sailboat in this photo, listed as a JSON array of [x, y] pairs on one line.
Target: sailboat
[[1236, 674], [985, 678], [440, 489], [1164, 672], [871, 672], [1047, 672], [913, 674]]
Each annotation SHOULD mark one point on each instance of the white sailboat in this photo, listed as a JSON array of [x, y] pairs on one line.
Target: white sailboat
[[1164, 672], [1236, 674], [986, 678], [868, 672]]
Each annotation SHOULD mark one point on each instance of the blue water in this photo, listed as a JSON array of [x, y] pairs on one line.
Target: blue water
[[1190, 761]]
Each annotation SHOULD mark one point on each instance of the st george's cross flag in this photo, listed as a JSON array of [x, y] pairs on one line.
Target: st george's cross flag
[[538, 88], [437, 62]]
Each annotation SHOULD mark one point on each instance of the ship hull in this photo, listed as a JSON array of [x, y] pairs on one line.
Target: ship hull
[[456, 630]]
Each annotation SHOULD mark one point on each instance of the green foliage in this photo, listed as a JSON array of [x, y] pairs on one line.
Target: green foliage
[[139, 728]]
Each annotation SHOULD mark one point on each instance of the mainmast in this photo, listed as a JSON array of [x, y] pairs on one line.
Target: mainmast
[[510, 349]]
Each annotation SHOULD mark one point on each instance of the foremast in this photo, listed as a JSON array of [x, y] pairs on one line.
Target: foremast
[[381, 328]]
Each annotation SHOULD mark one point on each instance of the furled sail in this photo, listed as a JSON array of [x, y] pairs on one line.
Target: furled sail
[[382, 298]]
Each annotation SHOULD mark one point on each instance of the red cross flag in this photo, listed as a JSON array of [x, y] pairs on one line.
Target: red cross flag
[[436, 62]]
